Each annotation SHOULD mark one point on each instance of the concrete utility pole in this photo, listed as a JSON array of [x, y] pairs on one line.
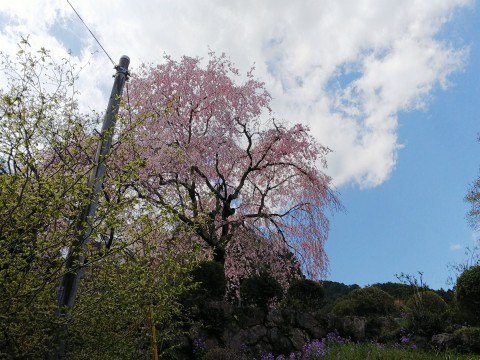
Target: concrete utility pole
[[67, 292]]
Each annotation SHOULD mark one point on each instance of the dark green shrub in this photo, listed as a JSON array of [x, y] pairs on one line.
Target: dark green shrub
[[211, 278], [304, 294], [467, 340], [428, 313], [468, 293], [365, 302], [260, 290], [427, 301]]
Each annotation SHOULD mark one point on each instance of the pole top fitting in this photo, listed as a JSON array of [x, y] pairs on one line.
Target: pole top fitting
[[122, 66], [124, 61]]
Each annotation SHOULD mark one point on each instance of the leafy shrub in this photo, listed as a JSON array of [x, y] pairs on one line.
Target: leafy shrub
[[213, 316], [468, 293], [211, 278], [365, 302], [467, 340], [428, 312], [260, 290], [427, 300], [304, 294]]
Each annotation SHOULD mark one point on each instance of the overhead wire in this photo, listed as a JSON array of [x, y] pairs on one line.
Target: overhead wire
[[98, 42]]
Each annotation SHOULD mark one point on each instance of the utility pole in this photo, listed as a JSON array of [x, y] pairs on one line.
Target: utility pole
[[70, 282]]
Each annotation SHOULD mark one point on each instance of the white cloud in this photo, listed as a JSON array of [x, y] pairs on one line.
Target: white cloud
[[346, 68], [456, 247]]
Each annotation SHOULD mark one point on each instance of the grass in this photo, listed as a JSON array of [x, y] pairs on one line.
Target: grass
[[372, 351], [379, 352]]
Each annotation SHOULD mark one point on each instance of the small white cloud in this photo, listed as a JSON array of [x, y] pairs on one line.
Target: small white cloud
[[456, 247]]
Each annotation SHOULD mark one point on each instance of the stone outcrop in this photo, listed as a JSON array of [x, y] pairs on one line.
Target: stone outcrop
[[261, 331]]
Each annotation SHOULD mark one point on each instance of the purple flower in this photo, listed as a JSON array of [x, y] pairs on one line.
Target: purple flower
[[198, 345], [269, 356], [335, 338], [314, 349]]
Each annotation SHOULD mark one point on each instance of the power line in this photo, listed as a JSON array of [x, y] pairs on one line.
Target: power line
[[98, 42]]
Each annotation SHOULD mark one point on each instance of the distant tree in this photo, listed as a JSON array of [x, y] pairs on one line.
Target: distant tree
[[398, 291], [217, 160], [334, 290], [447, 295]]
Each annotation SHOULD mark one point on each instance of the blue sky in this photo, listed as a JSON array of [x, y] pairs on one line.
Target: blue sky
[[415, 221], [391, 87]]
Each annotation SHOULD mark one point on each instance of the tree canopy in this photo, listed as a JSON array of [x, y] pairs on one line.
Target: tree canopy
[[218, 160], [473, 197]]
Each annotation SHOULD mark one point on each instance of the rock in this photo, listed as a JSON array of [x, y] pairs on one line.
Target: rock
[[311, 324], [279, 341], [254, 334], [349, 326], [274, 318], [234, 340], [289, 317], [443, 341], [247, 317], [298, 338]]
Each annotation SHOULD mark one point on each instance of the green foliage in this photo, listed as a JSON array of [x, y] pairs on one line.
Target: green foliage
[[467, 340], [397, 291], [427, 300], [380, 352], [211, 280], [42, 187], [448, 296], [260, 290], [45, 159], [468, 293], [428, 313], [334, 290], [365, 302], [304, 294], [110, 319]]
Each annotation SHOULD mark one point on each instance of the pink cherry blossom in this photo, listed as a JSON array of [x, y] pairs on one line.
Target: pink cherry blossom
[[218, 160]]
